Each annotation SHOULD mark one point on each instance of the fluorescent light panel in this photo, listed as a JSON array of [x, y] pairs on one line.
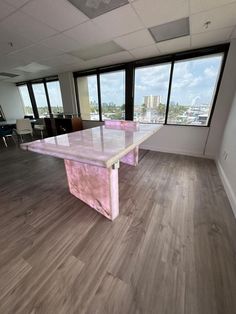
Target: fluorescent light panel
[[171, 30], [97, 51], [94, 8], [33, 67], [7, 75]]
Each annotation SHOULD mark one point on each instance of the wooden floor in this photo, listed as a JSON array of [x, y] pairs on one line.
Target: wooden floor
[[172, 250]]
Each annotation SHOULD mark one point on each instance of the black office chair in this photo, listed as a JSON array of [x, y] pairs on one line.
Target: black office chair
[[6, 132], [29, 117]]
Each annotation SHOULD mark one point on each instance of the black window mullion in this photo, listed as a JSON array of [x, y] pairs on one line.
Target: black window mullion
[[129, 92], [47, 96], [169, 91], [99, 97], [32, 99]]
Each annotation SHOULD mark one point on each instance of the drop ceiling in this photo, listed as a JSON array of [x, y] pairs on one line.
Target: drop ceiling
[[47, 32]]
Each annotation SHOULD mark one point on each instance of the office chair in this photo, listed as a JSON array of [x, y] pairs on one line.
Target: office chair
[[23, 127]]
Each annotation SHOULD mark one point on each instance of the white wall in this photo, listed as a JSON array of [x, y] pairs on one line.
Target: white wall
[[10, 101], [68, 93], [223, 103], [227, 157], [178, 139]]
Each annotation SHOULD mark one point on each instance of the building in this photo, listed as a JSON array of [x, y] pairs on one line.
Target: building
[[152, 101]]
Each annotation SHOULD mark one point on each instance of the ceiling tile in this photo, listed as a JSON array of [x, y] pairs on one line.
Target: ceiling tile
[[234, 33], [119, 57], [36, 53], [17, 3], [210, 38], [134, 40], [97, 51], [221, 17], [64, 59], [10, 41], [119, 22], [59, 14], [62, 42], [87, 34], [153, 12], [8, 62], [30, 28], [145, 52], [174, 45], [204, 5], [115, 58], [5, 10]]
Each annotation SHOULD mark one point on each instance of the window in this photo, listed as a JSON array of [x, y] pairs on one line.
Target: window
[[26, 100], [113, 95], [54, 94], [151, 91], [88, 97], [193, 90], [40, 99]]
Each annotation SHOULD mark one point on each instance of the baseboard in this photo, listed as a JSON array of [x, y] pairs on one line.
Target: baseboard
[[228, 189], [179, 152]]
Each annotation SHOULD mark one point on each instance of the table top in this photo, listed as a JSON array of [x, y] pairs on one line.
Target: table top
[[101, 146]]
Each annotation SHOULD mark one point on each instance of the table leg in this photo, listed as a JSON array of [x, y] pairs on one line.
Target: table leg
[[131, 158], [96, 186]]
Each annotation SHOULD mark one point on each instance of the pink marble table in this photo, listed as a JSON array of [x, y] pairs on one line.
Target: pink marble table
[[92, 159]]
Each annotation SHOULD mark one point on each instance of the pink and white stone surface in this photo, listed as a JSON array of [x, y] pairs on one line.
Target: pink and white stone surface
[[91, 157], [99, 188]]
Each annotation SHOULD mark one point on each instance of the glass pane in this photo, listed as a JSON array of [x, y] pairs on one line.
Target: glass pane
[[193, 89], [54, 93], [26, 100], [88, 97], [41, 100], [113, 95], [150, 94]]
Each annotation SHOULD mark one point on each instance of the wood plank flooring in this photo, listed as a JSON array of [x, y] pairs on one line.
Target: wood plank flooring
[[172, 250]]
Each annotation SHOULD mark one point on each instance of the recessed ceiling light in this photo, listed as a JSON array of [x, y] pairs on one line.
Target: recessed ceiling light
[[6, 75], [170, 30], [33, 67], [97, 51], [94, 8]]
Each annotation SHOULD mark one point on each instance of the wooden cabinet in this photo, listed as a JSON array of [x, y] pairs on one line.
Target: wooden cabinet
[[57, 126]]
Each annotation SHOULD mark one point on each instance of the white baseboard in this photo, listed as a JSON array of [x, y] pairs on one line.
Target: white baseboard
[[228, 189], [179, 152]]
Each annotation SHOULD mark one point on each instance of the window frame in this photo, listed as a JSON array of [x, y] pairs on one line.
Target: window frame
[[97, 72], [30, 84], [130, 67]]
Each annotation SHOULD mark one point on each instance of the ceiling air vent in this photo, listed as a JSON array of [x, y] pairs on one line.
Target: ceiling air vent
[[171, 30], [94, 8]]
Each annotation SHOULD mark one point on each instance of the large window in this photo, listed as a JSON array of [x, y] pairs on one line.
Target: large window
[[26, 100], [193, 89], [54, 94], [41, 99], [88, 97], [178, 89], [102, 95], [113, 95], [151, 92]]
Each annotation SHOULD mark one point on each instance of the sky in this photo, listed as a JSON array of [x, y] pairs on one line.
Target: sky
[[40, 97], [193, 82]]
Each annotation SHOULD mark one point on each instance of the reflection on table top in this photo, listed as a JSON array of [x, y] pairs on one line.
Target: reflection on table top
[[99, 146]]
